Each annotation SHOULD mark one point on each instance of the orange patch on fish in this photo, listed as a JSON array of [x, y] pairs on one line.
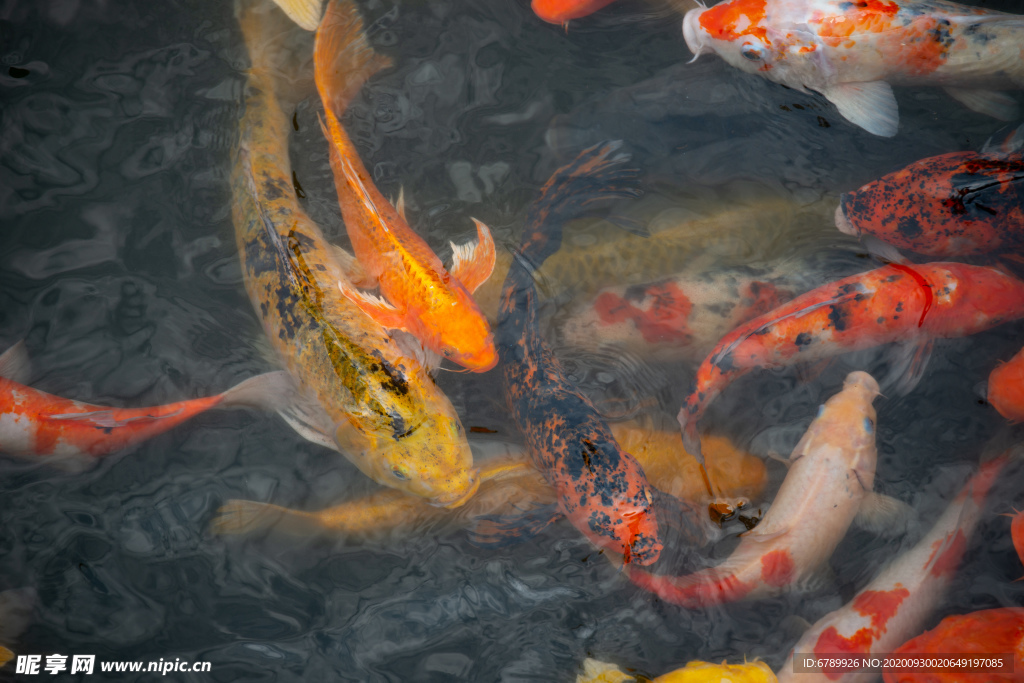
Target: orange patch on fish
[[664, 320], [949, 560], [777, 568], [881, 606], [732, 20]]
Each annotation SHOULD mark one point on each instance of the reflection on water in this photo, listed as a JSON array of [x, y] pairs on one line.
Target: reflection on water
[[118, 268]]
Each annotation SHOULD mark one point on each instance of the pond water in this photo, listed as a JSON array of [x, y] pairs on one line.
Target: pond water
[[119, 270]]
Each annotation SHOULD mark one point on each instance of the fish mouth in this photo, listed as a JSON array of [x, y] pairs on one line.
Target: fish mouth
[[842, 222], [459, 498], [691, 34]]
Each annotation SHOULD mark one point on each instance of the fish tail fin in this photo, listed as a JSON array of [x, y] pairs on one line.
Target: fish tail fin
[[343, 58], [5, 655], [305, 13], [261, 28], [263, 392], [247, 516], [597, 174]]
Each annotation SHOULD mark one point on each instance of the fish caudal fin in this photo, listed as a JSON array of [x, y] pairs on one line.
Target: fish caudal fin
[[247, 516], [343, 58], [988, 102], [14, 364], [263, 392], [870, 105], [305, 13], [473, 262]]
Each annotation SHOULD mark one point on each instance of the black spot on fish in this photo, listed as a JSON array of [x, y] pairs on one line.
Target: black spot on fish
[[909, 227], [298, 187], [823, 123], [838, 316], [803, 339], [295, 121], [899, 307]]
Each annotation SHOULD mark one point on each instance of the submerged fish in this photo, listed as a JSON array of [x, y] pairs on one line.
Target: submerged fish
[[1006, 388], [997, 631], [677, 318], [694, 672], [35, 423], [830, 480], [898, 602], [508, 486], [305, 13], [423, 298], [359, 392], [601, 488], [948, 205], [895, 303], [851, 52], [561, 11]]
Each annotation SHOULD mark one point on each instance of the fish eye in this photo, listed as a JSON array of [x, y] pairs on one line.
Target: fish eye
[[399, 473], [869, 426], [752, 52]]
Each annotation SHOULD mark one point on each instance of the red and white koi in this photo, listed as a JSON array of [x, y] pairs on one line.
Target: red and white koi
[[895, 303], [851, 51], [1006, 388], [834, 462], [895, 606], [35, 423]]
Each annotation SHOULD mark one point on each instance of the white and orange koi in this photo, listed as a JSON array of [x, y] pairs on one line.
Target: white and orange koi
[[834, 462], [35, 423], [851, 51], [895, 606]]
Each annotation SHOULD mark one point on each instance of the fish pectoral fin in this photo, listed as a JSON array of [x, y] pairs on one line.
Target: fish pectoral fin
[[908, 362], [382, 311], [992, 103], [884, 515], [400, 204], [595, 671], [309, 420], [870, 105], [353, 269], [883, 251], [498, 531], [473, 262], [15, 365], [305, 13]]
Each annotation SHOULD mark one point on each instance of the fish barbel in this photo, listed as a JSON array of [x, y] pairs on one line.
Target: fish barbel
[[374, 403]]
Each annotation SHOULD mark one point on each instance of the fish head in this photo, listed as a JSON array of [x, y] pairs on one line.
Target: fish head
[[429, 458], [468, 339], [740, 33], [847, 423]]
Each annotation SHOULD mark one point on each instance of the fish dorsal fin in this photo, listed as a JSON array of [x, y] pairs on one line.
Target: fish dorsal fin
[[870, 105], [884, 515], [305, 13], [14, 364], [473, 262], [992, 103], [400, 204]]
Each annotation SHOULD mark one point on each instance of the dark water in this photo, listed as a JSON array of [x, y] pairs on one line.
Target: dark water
[[118, 268]]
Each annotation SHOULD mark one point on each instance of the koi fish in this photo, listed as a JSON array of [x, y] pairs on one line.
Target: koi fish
[[895, 303], [694, 672], [677, 318], [1006, 388], [834, 462], [851, 52], [305, 13], [358, 392], [422, 298], [35, 423], [601, 489], [508, 484], [1017, 533], [610, 256], [897, 603], [948, 205], [985, 632], [561, 11]]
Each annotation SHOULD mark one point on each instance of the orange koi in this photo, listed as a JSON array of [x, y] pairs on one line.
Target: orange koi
[[694, 672], [1017, 533], [894, 303], [433, 304], [35, 423], [981, 633], [897, 603], [1006, 388], [561, 11], [834, 462]]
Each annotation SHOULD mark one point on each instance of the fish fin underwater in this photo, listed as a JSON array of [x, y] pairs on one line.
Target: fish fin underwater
[[248, 516], [473, 262], [305, 13], [992, 103], [870, 105], [15, 364], [502, 531], [381, 310], [884, 515]]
